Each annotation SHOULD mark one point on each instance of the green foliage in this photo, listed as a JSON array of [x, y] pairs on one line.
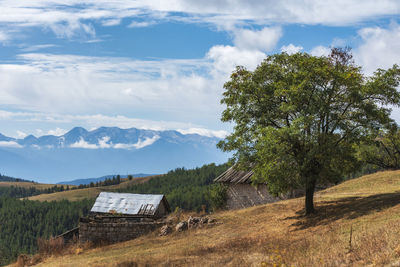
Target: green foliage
[[106, 182], [24, 221], [298, 118], [383, 151], [20, 192], [217, 196], [186, 189]]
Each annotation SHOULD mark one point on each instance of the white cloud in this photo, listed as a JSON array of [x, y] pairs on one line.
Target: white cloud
[[146, 142], [291, 49], [225, 58], [4, 37], [72, 29], [141, 24], [37, 47], [60, 83], [379, 49], [57, 132], [21, 134], [73, 18], [111, 22], [320, 51], [83, 144], [140, 144], [262, 40], [128, 91], [105, 143], [204, 132], [11, 144]]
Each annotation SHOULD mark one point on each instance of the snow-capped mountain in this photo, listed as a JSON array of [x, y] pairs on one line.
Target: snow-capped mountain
[[81, 153]]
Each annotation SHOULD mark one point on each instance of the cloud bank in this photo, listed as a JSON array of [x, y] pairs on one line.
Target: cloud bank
[[104, 143]]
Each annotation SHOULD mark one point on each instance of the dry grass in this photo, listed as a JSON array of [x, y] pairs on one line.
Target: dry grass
[[92, 192], [276, 234]]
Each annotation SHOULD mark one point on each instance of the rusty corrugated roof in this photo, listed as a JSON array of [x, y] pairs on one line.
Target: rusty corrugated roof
[[235, 176]]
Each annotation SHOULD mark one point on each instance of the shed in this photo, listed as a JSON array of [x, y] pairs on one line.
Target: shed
[[117, 217], [241, 193], [145, 205]]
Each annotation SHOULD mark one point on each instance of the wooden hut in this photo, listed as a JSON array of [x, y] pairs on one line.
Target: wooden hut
[[241, 193]]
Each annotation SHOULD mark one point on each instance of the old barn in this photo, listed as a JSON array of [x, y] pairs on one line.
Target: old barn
[[241, 193], [117, 217]]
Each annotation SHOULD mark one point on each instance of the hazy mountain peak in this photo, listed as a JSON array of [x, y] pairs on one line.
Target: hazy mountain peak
[[82, 153]]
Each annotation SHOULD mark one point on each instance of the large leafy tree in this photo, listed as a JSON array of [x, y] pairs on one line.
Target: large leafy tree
[[297, 118]]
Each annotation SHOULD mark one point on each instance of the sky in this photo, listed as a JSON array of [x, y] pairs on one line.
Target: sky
[[162, 64]]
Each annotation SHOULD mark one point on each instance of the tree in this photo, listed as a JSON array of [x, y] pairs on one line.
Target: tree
[[297, 118], [384, 150]]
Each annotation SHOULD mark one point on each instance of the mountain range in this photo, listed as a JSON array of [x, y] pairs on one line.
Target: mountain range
[[80, 153]]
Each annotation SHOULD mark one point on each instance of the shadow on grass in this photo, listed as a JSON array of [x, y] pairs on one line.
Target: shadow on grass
[[345, 208]]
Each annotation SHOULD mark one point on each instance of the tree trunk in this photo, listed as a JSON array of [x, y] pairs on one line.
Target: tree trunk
[[310, 188]]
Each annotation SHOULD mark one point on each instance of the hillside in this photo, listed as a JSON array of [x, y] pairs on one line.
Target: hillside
[[88, 193], [277, 234]]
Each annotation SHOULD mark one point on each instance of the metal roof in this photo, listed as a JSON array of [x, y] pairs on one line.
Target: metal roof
[[234, 176], [124, 203]]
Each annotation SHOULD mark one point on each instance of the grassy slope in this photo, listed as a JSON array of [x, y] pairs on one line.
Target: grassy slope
[[92, 192], [277, 234]]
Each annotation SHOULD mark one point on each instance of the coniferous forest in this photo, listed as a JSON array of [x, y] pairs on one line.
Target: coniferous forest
[[186, 189], [22, 222]]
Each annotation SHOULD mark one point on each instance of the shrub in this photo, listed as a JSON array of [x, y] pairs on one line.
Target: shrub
[[217, 196]]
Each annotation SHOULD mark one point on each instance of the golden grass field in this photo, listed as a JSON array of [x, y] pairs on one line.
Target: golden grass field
[[275, 234], [91, 192]]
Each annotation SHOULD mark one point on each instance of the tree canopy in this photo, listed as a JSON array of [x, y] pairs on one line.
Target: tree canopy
[[383, 151], [297, 118]]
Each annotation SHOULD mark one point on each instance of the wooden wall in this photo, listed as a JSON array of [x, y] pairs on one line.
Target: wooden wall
[[246, 195]]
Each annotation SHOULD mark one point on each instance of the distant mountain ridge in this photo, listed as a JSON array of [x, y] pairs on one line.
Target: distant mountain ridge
[[87, 181], [103, 137], [83, 153]]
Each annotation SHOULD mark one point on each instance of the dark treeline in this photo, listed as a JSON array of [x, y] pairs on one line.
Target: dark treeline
[[5, 178], [186, 189], [19, 192], [22, 222], [108, 181]]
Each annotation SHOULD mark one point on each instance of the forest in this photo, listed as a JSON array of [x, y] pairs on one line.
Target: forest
[[186, 189], [22, 222]]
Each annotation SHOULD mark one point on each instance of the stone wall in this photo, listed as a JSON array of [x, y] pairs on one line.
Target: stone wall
[[114, 229], [246, 195]]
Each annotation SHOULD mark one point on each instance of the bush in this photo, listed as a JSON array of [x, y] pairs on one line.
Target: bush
[[217, 196]]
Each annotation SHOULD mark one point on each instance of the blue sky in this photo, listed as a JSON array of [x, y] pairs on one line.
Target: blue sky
[[162, 64]]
